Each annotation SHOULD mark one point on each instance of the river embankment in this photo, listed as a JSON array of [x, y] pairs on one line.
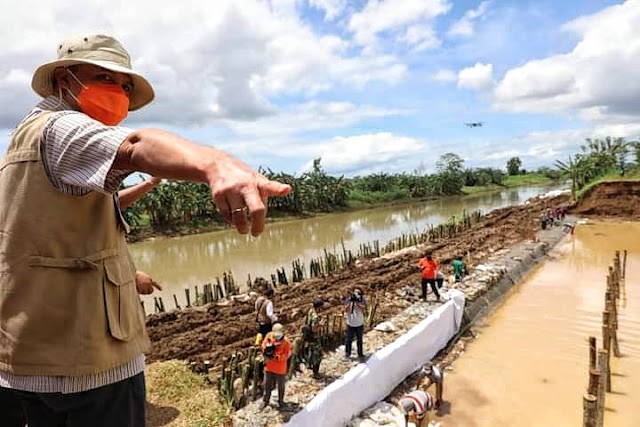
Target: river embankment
[[489, 282], [491, 240], [213, 332]]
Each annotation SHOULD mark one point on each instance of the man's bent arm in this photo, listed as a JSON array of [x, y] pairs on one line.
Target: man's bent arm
[[233, 183]]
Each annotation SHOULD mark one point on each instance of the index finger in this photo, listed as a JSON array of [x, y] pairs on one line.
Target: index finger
[[156, 285], [258, 210]]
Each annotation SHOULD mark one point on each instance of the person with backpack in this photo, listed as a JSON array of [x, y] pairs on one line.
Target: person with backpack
[[265, 317]]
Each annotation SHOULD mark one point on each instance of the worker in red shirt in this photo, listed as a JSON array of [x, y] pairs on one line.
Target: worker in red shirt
[[429, 267], [276, 349]]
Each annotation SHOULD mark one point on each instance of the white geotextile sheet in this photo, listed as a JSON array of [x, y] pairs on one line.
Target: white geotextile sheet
[[368, 383]]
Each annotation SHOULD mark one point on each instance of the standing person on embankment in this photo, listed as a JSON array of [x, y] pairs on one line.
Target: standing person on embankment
[[429, 268], [276, 350], [458, 268], [72, 330], [265, 317], [354, 306]]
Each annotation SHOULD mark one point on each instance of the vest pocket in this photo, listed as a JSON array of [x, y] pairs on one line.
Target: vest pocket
[[121, 299]]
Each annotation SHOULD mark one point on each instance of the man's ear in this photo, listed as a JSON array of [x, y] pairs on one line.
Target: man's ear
[[61, 78]]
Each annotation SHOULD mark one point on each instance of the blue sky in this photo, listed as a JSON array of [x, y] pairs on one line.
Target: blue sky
[[369, 86]]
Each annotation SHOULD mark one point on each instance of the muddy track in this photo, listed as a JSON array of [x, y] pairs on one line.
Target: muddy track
[[214, 332]]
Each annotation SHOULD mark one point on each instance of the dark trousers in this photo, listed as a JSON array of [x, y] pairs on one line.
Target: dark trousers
[[11, 410], [116, 405], [434, 287], [354, 331], [264, 329], [270, 381]]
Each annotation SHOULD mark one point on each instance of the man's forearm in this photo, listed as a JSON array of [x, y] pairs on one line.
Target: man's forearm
[[236, 189], [167, 155], [130, 195]]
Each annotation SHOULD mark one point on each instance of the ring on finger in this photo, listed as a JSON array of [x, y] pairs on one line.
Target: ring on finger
[[238, 210]]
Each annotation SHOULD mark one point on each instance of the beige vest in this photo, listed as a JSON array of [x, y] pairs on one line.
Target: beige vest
[[68, 300], [261, 315]]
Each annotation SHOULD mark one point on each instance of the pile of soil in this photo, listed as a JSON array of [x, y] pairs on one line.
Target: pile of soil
[[618, 199], [213, 332]]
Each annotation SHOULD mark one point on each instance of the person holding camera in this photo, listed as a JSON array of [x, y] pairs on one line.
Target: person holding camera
[[354, 307], [276, 349]]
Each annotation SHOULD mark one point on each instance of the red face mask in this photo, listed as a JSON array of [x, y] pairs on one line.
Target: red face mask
[[104, 102]]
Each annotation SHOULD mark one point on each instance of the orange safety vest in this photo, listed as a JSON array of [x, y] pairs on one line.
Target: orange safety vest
[[278, 363], [429, 268]]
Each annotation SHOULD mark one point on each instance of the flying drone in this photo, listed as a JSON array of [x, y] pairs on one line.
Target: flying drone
[[474, 124]]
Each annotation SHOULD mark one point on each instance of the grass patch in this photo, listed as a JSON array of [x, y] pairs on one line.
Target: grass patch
[[610, 177], [179, 398], [527, 179], [481, 188]]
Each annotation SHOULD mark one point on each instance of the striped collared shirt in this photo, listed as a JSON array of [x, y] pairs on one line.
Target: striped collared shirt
[[77, 154]]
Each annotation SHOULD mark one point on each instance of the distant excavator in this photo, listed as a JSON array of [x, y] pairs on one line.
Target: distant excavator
[[474, 124]]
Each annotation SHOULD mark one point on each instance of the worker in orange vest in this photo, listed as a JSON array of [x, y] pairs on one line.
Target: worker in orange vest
[[276, 349], [429, 267]]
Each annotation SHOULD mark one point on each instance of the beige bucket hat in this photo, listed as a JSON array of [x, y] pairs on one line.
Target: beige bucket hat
[[103, 51]]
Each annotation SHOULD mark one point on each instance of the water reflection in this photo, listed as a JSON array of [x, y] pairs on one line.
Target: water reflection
[[194, 260]]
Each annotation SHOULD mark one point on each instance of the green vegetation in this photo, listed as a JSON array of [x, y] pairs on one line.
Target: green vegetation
[[533, 178], [634, 175], [608, 157], [184, 207], [513, 166], [178, 397]]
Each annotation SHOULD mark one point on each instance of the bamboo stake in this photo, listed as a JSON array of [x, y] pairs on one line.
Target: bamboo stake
[[594, 380], [592, 352], [590, 410], [188, 297], [624, 265], [602, 367], [607, 348]]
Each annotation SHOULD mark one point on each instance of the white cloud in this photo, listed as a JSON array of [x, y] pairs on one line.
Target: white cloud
[[365, 154], [410, 20], [232, 64], [308, 117], [464, 26], [478, 77], [421, 37], [331, 8], [597, 79], [444, 76]]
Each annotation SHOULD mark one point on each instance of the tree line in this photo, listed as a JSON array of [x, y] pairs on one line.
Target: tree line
[[598, 158], [178, 205]]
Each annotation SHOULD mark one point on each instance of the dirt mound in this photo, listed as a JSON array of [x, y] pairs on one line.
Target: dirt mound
[[620, 198], [214, 332]]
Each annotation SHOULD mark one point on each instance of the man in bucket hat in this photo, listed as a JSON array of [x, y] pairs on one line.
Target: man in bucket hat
[[72, 331]]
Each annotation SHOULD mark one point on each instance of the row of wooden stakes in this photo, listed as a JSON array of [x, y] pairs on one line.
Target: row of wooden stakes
[[599, 359], [329, 263]]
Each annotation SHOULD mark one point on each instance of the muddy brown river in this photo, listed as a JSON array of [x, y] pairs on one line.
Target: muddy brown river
[[187, 261], [529, 364]]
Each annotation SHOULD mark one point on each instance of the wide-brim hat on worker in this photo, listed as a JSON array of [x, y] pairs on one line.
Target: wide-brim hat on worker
[[103, 51]]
